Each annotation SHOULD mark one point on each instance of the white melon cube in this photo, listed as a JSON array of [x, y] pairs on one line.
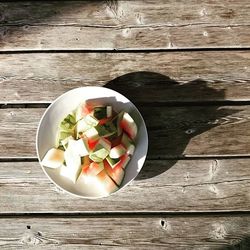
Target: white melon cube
[[54, 158], [73, 165]]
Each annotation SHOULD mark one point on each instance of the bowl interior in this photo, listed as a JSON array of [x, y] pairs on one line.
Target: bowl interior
[[64, 105]]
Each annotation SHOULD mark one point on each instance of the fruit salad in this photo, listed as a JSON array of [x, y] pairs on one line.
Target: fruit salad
[[94, 144]]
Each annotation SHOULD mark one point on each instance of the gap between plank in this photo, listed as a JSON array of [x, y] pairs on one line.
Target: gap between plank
[[125, 214], [123, 50]]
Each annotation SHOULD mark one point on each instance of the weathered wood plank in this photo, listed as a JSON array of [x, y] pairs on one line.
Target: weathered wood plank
[[123, 25], [207, 232], [161, 77], [173, 131], [184, 185]]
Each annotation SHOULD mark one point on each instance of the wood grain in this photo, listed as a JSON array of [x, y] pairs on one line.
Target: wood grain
[[208, 232], [123, 25], [184, 185], [161, 77], [173, 131]]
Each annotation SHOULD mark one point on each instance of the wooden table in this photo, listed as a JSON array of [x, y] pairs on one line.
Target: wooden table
[[186, 65]]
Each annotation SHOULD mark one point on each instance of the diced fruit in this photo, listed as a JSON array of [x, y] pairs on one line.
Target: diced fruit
[[100, 151], [80, 146], [92, 121], [82, 126], [102, 112], [68, 123], [85, 164], [54, 158], [92, 134], [113, 162], [106, 130], [128, 144], [98, 144], [115, 140], [109, 111], [117, 173], [124, 161], [62, 135], [116, 122], [72, 158], [103, 121], [65, 141], [71, 174], [94, 168], [117, 151], [128, 125], [82, 110], [92, 144], [105, 183], [85, 161], [73, 165]]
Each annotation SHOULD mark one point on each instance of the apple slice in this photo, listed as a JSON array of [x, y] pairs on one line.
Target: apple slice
[[54, 158]]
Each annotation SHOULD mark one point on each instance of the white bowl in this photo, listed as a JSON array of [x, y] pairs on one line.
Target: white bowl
[[66, 103]]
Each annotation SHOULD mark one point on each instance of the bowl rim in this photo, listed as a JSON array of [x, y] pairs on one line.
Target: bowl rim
[[37, 134]]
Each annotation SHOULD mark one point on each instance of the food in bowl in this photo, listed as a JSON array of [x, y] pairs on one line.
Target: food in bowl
[[94, 145]]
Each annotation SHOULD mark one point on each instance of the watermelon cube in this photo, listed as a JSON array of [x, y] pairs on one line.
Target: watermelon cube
[[117, 173], [128, 144], [91, 134], [82, 110], [100, 151], [105, 184], [117, 151], [93, 169], [113, 162], [129, 125]]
